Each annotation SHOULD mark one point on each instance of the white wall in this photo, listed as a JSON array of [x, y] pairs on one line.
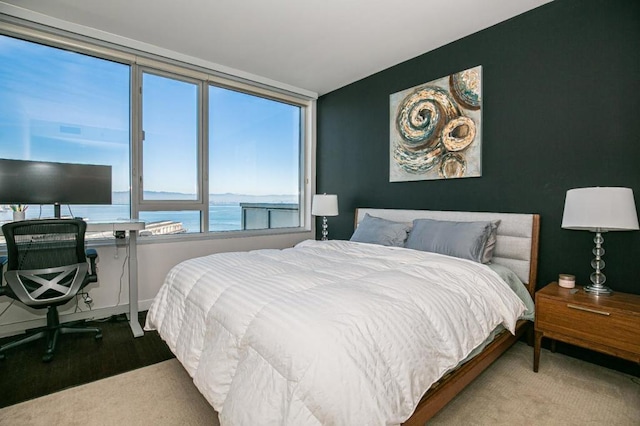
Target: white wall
[[111, 293]]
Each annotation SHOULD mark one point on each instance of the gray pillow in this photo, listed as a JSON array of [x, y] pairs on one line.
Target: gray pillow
[[490, 246], [375, 230], [465, 240]]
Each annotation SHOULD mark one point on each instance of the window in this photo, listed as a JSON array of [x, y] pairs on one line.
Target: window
[[63, 106], [170, 138], [205, 155], [169, 146], [254, 161]]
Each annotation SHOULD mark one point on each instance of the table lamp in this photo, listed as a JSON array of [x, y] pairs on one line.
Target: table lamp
[[599, 209], [324, 205]]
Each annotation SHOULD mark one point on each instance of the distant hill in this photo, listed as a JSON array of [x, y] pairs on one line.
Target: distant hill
[[122, 197]]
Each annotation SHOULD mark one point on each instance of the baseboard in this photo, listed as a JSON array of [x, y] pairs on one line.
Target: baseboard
[[144, 305]]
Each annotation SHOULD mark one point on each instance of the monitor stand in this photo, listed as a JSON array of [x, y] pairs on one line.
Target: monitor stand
[[56, 211]]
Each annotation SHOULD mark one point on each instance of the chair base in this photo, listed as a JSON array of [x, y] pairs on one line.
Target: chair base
[[51, 332]]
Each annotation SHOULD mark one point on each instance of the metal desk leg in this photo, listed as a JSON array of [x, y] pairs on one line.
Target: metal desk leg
[[133, 285]]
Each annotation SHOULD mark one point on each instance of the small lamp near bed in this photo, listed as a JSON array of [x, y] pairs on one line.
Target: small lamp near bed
[[324, 205], [599, 210]]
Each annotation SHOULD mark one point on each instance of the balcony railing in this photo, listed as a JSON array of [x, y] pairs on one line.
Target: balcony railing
[[269, 215]]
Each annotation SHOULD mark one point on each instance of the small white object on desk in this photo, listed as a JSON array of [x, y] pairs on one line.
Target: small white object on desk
[[19, 211], [567, 281]]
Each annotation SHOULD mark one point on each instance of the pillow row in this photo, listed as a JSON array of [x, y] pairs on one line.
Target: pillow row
[[467, 240]]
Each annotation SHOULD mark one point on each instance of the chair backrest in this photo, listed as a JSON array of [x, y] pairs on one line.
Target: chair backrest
[[44, 243], [46, 260]]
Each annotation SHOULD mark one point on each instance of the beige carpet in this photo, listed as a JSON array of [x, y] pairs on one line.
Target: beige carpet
[[566, 391]]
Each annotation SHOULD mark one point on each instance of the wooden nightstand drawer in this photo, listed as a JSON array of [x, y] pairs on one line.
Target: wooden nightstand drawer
[[597, 324]]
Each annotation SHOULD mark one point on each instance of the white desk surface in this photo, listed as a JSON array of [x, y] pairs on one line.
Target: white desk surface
[[115, 225], [108, 225]]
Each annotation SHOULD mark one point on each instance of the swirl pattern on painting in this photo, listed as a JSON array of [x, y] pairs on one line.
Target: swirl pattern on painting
[[433, 122]]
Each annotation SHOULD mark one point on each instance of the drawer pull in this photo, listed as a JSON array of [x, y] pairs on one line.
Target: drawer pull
[[582, 308]]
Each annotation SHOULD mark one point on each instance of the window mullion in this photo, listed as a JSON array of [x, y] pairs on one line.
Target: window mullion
[[203, 153], [136, 140]]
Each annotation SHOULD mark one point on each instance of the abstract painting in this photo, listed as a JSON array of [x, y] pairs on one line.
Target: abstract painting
[[435, 129]]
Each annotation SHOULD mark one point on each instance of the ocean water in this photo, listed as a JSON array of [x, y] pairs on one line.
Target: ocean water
[[222, 217]]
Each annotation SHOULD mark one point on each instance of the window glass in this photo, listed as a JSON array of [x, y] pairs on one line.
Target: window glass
[[170, 222], [170, 145], [62, 106], [254, 161]]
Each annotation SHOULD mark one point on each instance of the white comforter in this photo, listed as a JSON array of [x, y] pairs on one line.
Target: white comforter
[[331, 333]]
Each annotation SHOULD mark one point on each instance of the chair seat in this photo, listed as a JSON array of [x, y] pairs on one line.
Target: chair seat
[[47, 286]]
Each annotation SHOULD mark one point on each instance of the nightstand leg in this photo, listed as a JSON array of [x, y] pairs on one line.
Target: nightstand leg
[[536, 351], [553, 346]]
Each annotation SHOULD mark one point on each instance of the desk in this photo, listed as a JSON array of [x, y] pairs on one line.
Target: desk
[[133, 226]]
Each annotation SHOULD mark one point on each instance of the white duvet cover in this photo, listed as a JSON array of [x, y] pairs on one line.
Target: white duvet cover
[[326, 333]]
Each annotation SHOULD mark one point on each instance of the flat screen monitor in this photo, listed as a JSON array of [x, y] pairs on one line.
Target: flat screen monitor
[[40, 182]]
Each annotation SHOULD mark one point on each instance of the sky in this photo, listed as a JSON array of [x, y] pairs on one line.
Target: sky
[[62, 106]]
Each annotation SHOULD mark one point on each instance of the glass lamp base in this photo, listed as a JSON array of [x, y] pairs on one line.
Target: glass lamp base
[[597, 289], [598, 279], [325, 229]]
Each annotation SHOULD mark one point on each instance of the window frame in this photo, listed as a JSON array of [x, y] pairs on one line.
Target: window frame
[[142, 61]]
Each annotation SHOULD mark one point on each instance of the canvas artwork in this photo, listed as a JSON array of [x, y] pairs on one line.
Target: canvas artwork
[[435, 129]]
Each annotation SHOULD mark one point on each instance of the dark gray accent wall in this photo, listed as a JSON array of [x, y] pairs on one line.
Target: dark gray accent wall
[[561, 109]]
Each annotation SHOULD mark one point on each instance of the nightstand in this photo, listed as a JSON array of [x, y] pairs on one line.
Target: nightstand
[[608, 324]]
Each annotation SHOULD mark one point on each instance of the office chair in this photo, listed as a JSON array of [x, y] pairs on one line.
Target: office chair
[[46, 267]]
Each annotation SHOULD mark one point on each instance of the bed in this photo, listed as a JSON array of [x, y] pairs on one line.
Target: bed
[[345, 332]]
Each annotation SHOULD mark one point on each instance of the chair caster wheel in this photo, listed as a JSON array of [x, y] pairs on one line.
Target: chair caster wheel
[[47, 358], [98, 336]]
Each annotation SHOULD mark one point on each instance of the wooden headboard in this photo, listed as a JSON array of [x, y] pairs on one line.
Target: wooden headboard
[[517, 237]]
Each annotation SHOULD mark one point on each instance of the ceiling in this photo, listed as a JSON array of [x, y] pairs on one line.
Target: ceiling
[[314, 45]]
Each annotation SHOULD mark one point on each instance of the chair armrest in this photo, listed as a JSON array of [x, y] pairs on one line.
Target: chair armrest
[[92, 254], [3, 262]]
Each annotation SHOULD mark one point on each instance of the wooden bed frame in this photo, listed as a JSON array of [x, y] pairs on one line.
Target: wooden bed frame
[[524, 226]]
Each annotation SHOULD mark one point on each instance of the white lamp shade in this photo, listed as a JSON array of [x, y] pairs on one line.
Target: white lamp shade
[[324, 205], [600, 209]]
